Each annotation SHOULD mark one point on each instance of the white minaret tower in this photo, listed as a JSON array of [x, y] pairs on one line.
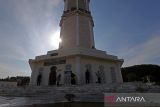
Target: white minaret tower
[[77, 55], [76, 25]]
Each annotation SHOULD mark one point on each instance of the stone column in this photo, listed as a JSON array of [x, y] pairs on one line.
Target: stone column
[[67, 75], [119, 76], [77, 30], [78, 69]]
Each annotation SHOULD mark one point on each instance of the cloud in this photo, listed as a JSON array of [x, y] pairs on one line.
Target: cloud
[[7, 69], [144, 53], [25, 32], [38, 19]]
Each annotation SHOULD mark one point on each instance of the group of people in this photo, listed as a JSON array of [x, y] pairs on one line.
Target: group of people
[[99, 74], [39, 79], [70, 77]]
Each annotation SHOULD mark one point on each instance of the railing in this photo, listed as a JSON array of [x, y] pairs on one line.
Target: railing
[[75, 9]]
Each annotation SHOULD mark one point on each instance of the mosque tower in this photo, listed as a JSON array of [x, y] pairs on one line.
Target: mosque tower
[[77, 61], [76, 25]]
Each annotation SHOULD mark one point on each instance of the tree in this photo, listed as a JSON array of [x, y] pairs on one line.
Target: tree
[[140, 72]]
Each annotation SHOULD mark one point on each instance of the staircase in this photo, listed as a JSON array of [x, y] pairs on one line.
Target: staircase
[[82, 93]]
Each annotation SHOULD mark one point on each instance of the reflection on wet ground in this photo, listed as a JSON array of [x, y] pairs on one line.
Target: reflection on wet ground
[[73, 104], [33, 102], [19, 101]]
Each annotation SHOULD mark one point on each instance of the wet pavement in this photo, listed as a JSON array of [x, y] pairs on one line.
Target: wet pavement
[[20, 101], [32, 102]]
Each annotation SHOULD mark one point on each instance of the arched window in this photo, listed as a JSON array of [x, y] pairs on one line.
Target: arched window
[[82, 4], [72, 4], [52, 75], [101, 69]]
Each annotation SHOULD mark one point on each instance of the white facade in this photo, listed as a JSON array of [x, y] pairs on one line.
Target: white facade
[[77, 54]]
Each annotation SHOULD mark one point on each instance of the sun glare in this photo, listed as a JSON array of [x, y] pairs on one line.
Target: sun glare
[[55, 39]]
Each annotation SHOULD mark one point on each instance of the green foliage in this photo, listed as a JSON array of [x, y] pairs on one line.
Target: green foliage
[[145, 73], [132, 77], [21, 81]]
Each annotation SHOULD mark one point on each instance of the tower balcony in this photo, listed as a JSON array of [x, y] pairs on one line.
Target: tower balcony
[[75, 9]]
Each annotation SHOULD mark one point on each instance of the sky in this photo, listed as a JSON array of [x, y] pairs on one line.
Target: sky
[[129, 29]]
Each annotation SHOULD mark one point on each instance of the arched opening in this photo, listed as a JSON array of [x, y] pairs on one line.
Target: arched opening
[[52, 76], [100, 75], [87, 76], [88, 73]]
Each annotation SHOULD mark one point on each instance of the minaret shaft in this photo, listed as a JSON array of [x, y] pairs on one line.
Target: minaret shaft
[[76, 25], [76, 4]]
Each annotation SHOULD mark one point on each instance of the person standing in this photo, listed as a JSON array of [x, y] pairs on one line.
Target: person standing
[[58, 79], [39, 78], [87, 77]]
